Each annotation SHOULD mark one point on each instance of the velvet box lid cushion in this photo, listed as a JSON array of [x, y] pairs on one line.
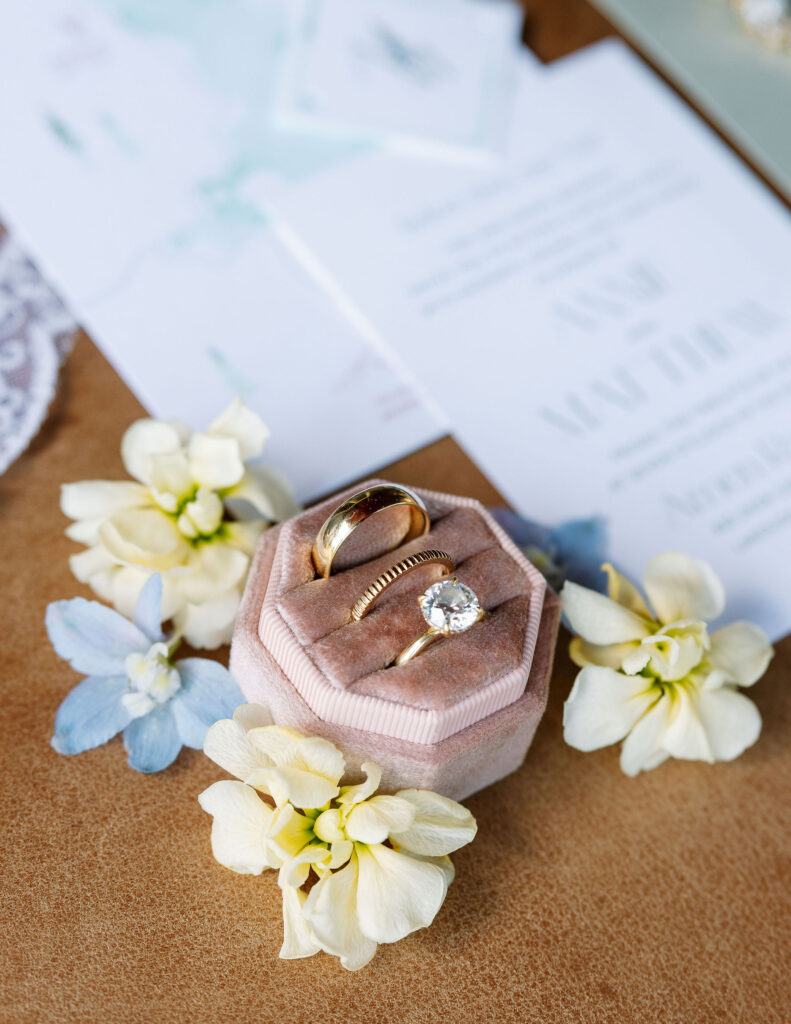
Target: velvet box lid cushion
[[336, 665], [465, 761]]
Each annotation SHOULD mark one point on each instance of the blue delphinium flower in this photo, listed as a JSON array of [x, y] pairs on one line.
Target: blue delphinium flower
[[132, 685], [573, 550]]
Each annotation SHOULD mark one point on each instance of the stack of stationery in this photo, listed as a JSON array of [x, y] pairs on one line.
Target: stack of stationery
[[388, 213]]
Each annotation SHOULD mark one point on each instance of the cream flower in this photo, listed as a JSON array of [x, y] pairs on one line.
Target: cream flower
[[379, 864], [193, 515], [653, 676]]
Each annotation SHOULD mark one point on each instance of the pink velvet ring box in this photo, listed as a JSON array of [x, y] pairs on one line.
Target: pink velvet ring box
[[456, 718]]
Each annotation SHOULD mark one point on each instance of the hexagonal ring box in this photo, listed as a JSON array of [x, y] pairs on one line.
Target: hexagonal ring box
[[456, 718]]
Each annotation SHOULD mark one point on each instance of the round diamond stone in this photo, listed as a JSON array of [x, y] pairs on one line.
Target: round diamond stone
[[450, 606]]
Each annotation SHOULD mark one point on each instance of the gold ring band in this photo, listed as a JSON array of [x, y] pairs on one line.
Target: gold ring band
[[412, 650], [450, 608], [374, 590], [339, 526]]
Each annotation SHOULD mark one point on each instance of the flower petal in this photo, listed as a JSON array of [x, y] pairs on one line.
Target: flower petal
[[322, 757], [144, 537], [87, 564], [636, 660], [148, 609], [153, 742], [288, 833], [622, 590], [680, 587], [362, 790], [170, 478], [252, 716], [214, 461], [244, 536], [441, 825], [93, 638], [267, 492], [603, 706], [209, 624], [85, 531], [297, 939], [731, 721], [610, 655], [328, 826], [288, 748], [598, 619], [274, 744], [211, 570], [671, 655], [445, 864], [294, 871], [119, 585], [396, 893], [244, 426], [331, 911], [147, 438], [238, 832], [301, 788], [208, 693], [580, 545], [373, 820], [642, 749], [91, 714], [741, 651], [340, 851], [523, 532], [685, 736], [202, 516], [137, 703], [226, 744], [99, 499]]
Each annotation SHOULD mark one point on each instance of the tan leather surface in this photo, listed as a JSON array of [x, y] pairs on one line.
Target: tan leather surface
[[586, 897]]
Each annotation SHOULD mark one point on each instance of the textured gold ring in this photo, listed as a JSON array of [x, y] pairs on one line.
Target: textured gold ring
[[339, 526], [373, 591]]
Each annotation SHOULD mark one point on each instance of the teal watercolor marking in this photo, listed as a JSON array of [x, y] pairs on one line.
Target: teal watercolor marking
[[117, 134], [245, 75], [224, 228], [62, 132], [234, 378]]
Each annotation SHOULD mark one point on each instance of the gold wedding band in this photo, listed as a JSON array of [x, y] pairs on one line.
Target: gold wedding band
[[449, 607], [374, 590], [361, 506]]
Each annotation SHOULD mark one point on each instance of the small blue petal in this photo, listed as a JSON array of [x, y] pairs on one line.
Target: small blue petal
[[91, 637], [524, 532], [574, 549], [153, 741], [91, 714], [148, 610], [581, 546], [209, 692], [581, 540]]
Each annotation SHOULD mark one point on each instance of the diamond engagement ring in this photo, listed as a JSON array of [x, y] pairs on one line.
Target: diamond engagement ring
[[449, 607], [373, 592]]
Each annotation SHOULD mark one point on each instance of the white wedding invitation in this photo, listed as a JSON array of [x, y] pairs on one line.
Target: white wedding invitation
[[128, 133], [434, 78], [606, 318]]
